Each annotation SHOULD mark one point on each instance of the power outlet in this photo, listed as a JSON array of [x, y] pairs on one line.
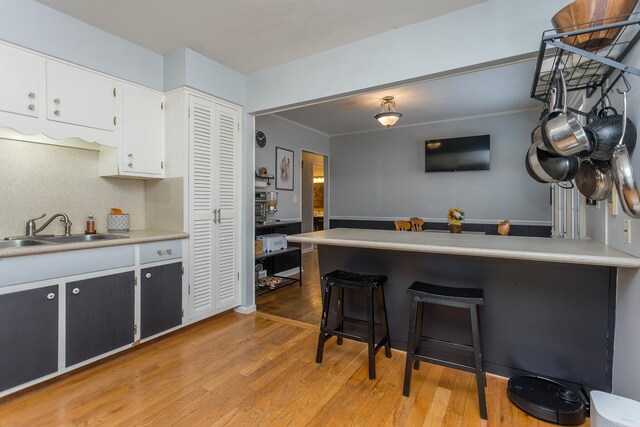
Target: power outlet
[[627, 231]]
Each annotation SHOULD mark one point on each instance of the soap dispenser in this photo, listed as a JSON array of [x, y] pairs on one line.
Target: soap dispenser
[[91, 225]]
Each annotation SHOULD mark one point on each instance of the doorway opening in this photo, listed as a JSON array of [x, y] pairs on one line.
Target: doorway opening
[[314, 204]]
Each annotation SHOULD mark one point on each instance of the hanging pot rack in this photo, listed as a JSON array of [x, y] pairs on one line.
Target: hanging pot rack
[[587, 70]]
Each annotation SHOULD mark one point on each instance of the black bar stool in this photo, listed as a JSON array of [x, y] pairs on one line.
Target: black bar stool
[[425, 293], [344, 279]]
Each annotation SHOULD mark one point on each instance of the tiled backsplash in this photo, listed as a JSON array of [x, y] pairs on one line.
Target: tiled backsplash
[[39, 178]]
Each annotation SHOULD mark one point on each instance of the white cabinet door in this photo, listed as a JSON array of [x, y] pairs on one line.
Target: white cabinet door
[[226, 199], [80, 97], [201, 164], [19, 80], [143, 131], [213, 147]]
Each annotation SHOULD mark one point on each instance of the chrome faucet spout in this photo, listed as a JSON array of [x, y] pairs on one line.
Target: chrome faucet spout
[[31, 224]]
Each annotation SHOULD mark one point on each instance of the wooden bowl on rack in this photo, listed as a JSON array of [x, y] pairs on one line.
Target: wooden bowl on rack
[[583, 14]]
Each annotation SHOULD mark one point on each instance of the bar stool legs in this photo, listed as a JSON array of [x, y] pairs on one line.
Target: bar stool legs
[[361, 283], [423, 293], [481, 378], [322, 337]]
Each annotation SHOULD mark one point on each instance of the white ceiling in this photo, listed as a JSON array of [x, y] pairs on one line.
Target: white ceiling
[[490, 91], [250, 35]]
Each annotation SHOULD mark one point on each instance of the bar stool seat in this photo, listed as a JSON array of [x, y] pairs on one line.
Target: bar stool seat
[[344, 279], [425, 293]]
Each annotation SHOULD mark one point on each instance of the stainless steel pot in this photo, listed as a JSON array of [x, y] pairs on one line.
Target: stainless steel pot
[[534, 169], [563, 131], [594, 180], [547, 168]]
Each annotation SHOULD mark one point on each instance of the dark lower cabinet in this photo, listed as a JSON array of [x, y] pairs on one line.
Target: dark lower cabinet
[[99, 315], [28, 335], [160, 298]]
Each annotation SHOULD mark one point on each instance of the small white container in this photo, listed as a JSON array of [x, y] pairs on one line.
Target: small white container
[[609, 410], [118, 223]]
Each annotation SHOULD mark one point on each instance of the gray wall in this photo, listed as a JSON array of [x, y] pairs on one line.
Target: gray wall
[[381, 174], [281, 133], [602, 226]]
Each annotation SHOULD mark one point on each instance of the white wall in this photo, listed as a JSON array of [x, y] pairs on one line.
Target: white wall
[[602, 226], [281, 133], [381, 174], [488, 32]]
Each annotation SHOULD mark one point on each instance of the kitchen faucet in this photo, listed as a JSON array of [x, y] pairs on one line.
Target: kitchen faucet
[[31, 224]]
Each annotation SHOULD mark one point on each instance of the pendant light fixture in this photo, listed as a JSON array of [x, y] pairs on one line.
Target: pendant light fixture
[[388, 116]]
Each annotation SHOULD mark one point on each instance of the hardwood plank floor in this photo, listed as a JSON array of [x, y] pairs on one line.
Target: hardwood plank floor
[[303, 303], [257, 370]]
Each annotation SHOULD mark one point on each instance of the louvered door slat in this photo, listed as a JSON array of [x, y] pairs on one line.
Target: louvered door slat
[[202, 159], [226, 199]]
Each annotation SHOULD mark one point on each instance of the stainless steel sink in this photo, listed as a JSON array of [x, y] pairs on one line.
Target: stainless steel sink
[[82, 238], [21, 243]]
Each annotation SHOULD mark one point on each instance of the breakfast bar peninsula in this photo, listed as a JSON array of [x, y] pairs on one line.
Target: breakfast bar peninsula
[[549, 303]]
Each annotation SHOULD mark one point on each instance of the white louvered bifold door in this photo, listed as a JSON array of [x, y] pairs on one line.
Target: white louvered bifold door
[[201, 199], [226, 195]]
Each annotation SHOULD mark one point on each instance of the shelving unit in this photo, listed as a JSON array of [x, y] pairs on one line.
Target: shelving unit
[[282, 260], [599, 67]]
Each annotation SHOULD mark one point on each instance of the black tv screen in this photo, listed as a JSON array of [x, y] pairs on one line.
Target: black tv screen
[[470, 153]]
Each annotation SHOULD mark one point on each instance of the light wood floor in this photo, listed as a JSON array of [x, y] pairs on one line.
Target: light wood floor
[[303, 303], [256, 369]]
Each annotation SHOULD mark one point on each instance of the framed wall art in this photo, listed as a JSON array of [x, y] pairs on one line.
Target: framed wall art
[[284, 169]]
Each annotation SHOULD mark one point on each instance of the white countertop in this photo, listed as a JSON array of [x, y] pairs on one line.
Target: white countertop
[[569, 251], [139, 236]]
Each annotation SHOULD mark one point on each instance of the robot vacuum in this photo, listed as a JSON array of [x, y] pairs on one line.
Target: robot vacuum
[[548, 399]]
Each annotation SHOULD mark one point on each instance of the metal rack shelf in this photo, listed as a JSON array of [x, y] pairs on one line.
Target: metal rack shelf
[[584, 69]]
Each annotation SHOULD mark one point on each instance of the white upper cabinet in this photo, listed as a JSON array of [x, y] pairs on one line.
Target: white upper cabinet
[[80, 97], [19, 81], [143, 131]]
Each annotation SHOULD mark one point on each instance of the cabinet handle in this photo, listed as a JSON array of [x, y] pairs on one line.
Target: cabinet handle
[[51, 295], [32, 107], [215, 218], [56, 101], [32, 95], [114, 92], [115, 121], [148, 275], [130, 155], [57, 112], [75, 291], [168, 252], [130, 164]]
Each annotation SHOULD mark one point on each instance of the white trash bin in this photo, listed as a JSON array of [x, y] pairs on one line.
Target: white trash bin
[[609, 410]]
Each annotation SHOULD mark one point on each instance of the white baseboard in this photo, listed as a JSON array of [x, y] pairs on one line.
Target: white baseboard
[[245, 309]]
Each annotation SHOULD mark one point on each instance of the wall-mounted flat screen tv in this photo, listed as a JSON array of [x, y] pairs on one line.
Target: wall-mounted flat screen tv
[[469, 153]]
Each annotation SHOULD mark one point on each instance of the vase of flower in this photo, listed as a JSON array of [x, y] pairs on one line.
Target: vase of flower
[[455, 219], [455, 228]]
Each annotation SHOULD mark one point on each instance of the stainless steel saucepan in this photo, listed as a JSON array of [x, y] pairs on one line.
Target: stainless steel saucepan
[[563, 131], [594, 180]]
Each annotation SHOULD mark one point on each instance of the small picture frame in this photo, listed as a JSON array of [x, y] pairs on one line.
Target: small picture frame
[[284, 169]]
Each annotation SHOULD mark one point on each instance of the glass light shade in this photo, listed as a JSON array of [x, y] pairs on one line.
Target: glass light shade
[[388, 118]]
